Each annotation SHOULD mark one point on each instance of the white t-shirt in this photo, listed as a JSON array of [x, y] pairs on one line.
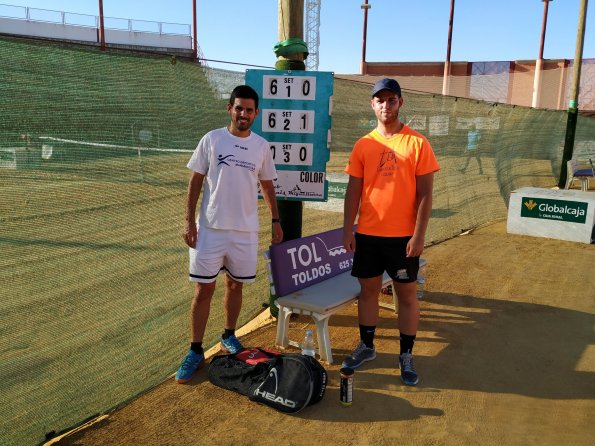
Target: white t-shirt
[[232, 167]]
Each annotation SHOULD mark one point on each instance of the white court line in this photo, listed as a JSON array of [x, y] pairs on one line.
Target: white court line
[[115, 146]]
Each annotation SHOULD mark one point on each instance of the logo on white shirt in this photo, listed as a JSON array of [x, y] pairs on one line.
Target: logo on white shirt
[[222, 159]]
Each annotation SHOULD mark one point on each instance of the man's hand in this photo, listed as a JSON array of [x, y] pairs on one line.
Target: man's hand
[[277, 233], [190, 234], [349, 241], [415, 246]]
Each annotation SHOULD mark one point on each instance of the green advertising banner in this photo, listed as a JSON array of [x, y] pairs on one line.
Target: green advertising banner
[[336, 190], [559, 210]]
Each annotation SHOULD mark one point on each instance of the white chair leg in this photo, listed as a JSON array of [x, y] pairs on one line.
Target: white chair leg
[[568, 182], [283, 327], [324, 341]]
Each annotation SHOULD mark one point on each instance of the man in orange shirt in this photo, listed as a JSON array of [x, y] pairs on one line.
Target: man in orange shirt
[[391, 172]]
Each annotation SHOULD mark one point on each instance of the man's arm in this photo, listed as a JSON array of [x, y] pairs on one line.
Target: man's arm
[[268, 193], [353, 196], [194, 188], [423, 201]]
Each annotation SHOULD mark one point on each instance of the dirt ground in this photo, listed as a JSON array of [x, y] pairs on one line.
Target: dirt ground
[[505, 352]]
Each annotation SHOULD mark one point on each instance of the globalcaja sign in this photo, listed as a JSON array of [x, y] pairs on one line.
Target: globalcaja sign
[[559, 210], [564, 214], [337, 190]]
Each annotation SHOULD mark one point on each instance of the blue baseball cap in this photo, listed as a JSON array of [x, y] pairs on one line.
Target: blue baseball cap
[[386, 84]]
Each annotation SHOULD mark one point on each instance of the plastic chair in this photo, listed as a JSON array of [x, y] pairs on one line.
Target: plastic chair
[[579, 170]]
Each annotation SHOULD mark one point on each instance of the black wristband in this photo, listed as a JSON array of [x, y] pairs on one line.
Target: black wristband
[[276, 220]]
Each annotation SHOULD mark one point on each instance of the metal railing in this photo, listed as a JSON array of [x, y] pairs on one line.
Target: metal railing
[[92, 21]]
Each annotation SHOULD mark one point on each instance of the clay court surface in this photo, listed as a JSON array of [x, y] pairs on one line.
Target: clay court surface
[[505, 352]]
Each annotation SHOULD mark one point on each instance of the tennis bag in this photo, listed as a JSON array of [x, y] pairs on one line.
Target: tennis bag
[[285, 382]]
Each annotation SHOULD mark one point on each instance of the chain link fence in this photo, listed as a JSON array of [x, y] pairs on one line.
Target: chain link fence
[[94, 295]]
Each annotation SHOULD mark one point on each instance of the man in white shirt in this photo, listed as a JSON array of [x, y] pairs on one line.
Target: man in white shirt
[[232, 160]]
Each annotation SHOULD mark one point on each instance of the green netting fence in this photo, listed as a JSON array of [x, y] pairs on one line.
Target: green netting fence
[[94, 294]]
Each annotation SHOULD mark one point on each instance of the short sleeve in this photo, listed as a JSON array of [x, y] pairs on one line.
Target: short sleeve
[[199, 161], [427, 162], [355, 165], [268, 171]]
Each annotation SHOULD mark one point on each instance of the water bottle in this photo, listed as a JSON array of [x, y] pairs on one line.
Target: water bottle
[[421, 279], [308, 348]]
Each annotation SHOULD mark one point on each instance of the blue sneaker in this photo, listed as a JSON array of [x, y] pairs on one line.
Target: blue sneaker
[[408, 373], [231, 345], [360, 355], [192, 362]]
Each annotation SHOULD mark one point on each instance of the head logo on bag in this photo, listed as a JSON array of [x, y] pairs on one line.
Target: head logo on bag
[[274, 373], [273, 396]]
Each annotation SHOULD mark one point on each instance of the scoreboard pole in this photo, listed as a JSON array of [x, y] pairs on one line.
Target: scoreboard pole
[[290, 24]]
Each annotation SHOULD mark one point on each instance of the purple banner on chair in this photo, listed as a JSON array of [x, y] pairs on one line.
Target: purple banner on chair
[[302, 262]]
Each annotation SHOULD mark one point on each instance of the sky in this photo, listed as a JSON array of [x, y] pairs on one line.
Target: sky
[[245, 32]]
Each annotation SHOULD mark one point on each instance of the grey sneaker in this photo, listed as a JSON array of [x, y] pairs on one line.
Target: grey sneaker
[[408, 373], [360, 355]]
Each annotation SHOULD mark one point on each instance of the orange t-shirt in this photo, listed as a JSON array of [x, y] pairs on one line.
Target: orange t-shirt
[[388, 167]]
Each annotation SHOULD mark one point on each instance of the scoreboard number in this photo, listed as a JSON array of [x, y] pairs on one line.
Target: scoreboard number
[[289, 87], [287, 121], [292, 154]]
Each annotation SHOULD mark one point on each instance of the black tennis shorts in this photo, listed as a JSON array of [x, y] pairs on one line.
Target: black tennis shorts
[[374, 255]]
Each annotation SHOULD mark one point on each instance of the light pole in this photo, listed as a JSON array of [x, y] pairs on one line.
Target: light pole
[[574, 91], [194, 33], [365, 7], [446, 79], [539, 61], [101, 27]]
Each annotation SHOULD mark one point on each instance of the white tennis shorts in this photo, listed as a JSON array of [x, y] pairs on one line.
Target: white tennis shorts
[[218, 251]]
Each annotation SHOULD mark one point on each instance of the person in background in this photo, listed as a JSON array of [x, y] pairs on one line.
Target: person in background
[[472, 149], [391, 172], [230, 162]]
